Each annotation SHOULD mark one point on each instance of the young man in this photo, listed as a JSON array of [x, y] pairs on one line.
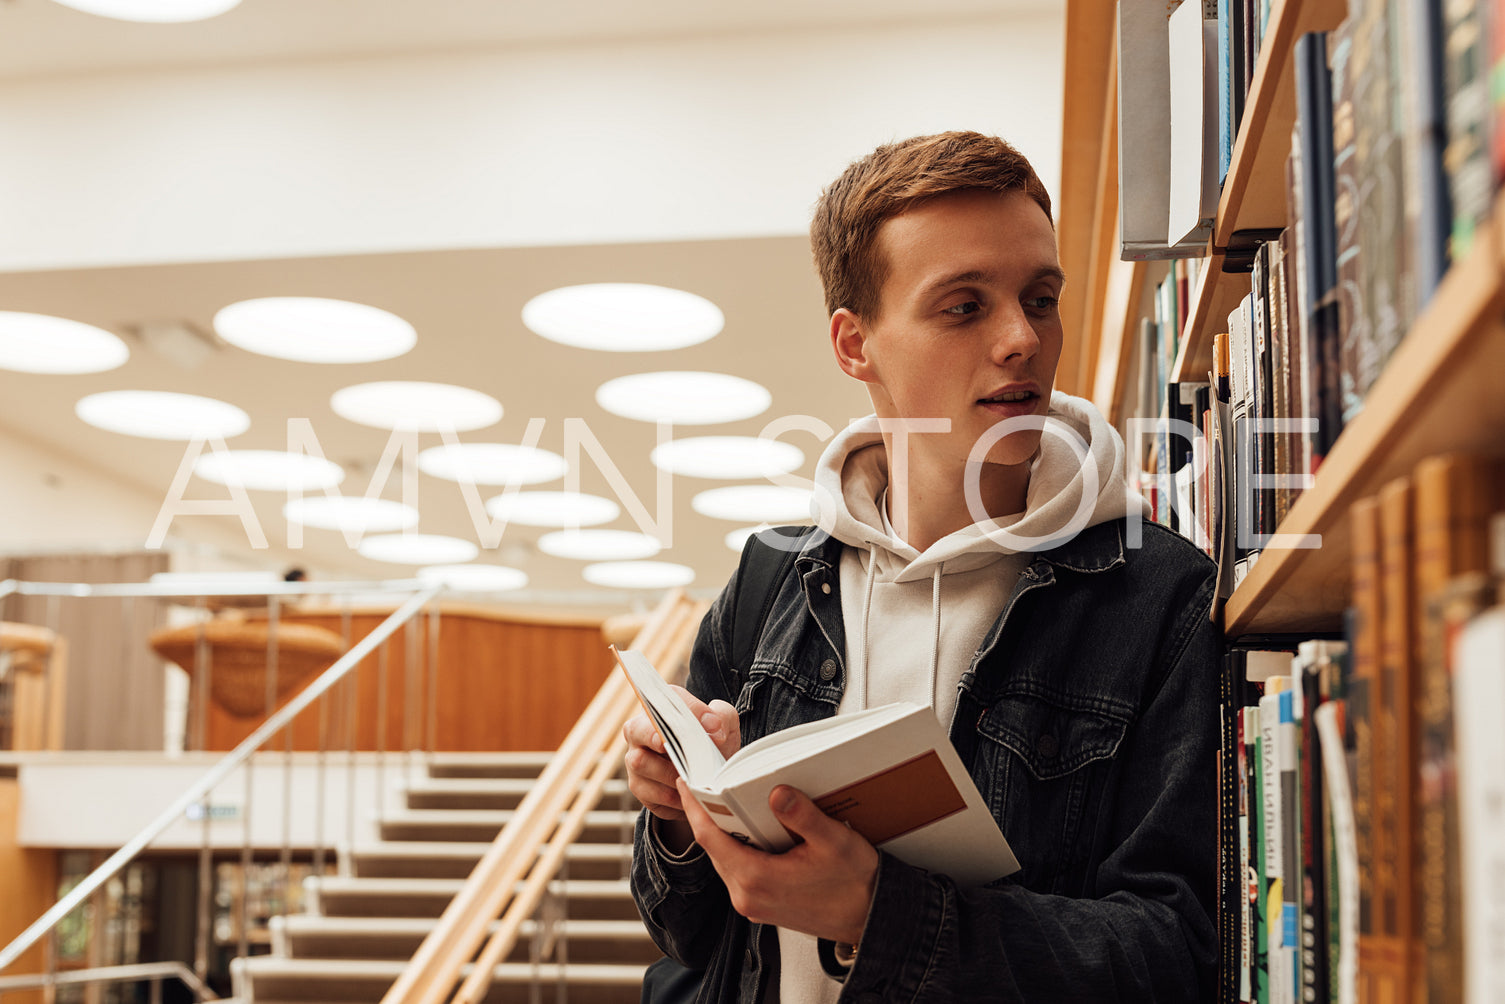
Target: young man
[[979, 560]]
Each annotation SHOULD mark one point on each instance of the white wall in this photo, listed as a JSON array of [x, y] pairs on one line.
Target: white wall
[[82, 801], [685, 138], [53, 503]]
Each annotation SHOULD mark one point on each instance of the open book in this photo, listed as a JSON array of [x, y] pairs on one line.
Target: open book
[[888, 772]]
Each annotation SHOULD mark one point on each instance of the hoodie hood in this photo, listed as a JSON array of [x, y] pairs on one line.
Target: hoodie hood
[[1076, 480]]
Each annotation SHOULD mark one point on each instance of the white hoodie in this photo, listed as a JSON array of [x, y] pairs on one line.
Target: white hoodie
[[899, 646]]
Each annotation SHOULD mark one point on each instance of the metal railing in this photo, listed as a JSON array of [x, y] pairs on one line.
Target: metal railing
[[238, 758], [156, 972]]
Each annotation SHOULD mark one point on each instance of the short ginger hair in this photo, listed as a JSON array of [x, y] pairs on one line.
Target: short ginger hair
[[890, 181]]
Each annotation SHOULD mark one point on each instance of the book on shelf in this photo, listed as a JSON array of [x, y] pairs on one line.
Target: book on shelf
[[1479, 692], [1455, 493], [889, 772], [1166, 112], [1192, 40]]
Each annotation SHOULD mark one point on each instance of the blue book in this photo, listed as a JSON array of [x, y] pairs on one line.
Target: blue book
[[1227, 126]]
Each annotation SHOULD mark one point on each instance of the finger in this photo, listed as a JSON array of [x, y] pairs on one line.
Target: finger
[[804, 819], [731, 736], [639, 730], [723, 848]]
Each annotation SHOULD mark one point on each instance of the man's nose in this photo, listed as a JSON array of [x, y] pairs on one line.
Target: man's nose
[[1014, 335]]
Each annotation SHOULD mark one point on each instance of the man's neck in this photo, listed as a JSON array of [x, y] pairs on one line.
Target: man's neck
[[929, 501]]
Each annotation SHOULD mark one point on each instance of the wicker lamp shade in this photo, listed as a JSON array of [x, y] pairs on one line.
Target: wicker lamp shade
[[238, 658]]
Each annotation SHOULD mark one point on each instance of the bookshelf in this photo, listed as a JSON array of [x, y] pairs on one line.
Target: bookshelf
[[1441, 390]]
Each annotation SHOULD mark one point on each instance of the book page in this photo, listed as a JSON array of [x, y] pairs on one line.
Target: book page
[[689, 748]]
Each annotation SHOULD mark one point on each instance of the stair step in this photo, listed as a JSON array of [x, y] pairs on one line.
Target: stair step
[[491, 793], [265, 977], [529, 764], [457, 859], [478, 825], [338, 896], [585, 941]]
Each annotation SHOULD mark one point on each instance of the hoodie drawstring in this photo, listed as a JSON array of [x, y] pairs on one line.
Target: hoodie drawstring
[[935, 645], [867, 606]]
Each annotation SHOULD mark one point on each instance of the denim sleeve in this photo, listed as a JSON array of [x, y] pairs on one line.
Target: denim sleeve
[[1145, 934], [683, 901]]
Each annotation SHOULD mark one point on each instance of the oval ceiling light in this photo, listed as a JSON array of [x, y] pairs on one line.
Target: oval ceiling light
[[268, 470], [474, 578], [412, 405], [763, 503], [737, 539], [418, 549], [638, 574], [599, 545], [726, 457], [356, 514], [154, 11], [553, 509], [310, 329], [623, 317], [683, 397], [40, 343], [160, 414], [492, 463]]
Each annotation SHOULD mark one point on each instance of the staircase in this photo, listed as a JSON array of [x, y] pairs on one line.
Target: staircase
[[363, 924]]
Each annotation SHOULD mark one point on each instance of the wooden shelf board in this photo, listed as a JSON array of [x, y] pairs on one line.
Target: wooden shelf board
[[1115, 353], [1253, 194], [1440, 392]]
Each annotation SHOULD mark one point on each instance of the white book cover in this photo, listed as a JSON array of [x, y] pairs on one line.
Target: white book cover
[[1144, 127], [889, 772], [1479, 703], [1193, 192]]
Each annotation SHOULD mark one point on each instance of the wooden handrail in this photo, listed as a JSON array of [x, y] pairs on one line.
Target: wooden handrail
[[533, 842]]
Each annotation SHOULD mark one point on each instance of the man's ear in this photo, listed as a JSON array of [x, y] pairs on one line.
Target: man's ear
[[849, 342]]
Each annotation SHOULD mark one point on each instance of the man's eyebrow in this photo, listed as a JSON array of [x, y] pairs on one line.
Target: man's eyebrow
[[1052, 272], [973, 275]]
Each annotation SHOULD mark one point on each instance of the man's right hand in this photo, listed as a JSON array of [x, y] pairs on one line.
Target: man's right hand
[[650, 775]]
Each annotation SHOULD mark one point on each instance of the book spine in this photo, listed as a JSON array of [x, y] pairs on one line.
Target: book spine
[[1353, 323], [1343, 938], [1280, 369], [1454, 496], [1314, 131], [1248, 880], [1424, 136], [1466, 109], [1277, 976], [1364, 644], [1395, 780], [1260, 885], [1259, 386], [1230, 873], [1292, 873], [1227, 124]]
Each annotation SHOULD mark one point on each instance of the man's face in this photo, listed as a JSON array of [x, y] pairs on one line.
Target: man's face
[[968, 327]]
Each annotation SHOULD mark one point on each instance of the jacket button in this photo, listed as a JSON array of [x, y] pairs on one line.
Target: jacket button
[[1046, 746], [828, 670], [825, 587]]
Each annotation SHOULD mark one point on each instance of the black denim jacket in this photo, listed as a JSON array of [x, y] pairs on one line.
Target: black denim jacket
[[1088, 719]]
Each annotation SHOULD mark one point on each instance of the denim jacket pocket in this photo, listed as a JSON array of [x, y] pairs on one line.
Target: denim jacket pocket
[[775, 696], [1049, 758]]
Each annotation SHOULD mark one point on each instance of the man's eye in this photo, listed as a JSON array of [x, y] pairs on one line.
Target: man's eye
[[1042, 302], [970, 307]]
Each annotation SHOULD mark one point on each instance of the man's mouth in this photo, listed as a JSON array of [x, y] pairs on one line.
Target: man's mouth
[[1010, 397]]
